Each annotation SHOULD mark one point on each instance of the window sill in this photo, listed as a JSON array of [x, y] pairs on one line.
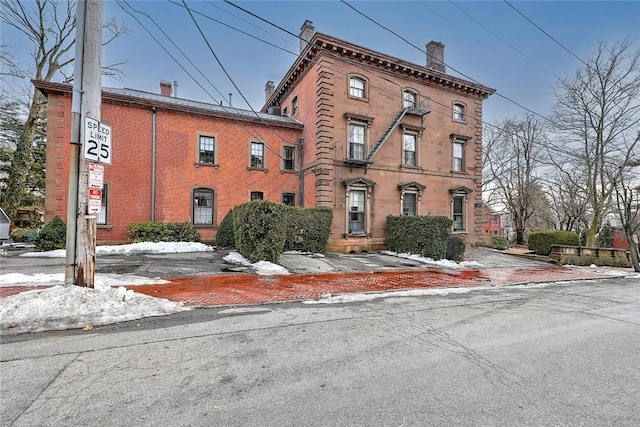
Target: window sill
[[358, 98], [104, 226], [464, 122], [459, 173], [459, 231], [288, 171], [249, 168], [204, 225], [362, 235], [207, 165], [417, 168]]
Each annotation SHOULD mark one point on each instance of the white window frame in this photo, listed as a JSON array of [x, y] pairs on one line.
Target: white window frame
[[253, 152], [409, 99], [103, 217], [357, 87], [406, 136], [351, 154], [459, 218], [459, 112], [202, 214], [291, 149], [206, 149]]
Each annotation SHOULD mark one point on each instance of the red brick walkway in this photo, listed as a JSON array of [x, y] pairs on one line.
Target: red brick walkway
[[254, 289]]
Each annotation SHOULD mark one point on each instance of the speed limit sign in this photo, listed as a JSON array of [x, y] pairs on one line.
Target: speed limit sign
[[97, 141]]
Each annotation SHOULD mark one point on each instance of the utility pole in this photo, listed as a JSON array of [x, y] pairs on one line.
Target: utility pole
[[81, 229]]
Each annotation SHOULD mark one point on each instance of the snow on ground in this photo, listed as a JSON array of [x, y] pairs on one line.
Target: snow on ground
[[444, 263], [264, 268], [62, 307]]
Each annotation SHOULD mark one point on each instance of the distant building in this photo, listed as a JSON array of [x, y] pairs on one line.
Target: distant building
[[363, 133]]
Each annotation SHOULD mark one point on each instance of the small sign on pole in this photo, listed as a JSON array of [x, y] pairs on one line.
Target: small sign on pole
[[96, 175], [97, 141], [95, 201]]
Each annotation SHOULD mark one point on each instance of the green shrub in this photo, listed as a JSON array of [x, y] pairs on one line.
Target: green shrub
[[500, 242], [541, 241], [24, 235], [424, 235], [311, 227], [259, 230], [53, 235], [224, 236], [153, 231], [455, 249]]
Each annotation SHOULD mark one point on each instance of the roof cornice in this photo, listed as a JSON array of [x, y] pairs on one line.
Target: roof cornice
[[136, 98], [323, 43]]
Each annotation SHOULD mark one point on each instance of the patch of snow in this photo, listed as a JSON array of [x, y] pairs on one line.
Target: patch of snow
[[63, 307], [443, 263], [362, 297], [133, 248], [264, 268]]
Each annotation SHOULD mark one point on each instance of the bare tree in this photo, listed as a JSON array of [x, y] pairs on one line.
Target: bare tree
[[596, 112], [513, 152], [566, 193], [49, 25]]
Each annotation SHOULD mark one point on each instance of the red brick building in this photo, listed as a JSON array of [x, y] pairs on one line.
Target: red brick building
[[361, 132], [383, 137], [174, 159]]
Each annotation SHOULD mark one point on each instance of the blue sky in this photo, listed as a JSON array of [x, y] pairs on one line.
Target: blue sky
[[487, 41]]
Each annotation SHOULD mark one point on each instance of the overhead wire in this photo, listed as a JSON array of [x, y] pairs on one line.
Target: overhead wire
[[448, 107], [251, 131]]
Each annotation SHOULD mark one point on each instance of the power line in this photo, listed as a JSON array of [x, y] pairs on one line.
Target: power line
[[253, 132], [449, 66], [489, 30]]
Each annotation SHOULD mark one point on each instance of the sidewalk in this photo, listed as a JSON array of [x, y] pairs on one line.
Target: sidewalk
[[240, 289]]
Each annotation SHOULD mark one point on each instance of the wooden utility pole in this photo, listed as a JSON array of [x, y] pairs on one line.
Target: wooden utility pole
[[90, 74]]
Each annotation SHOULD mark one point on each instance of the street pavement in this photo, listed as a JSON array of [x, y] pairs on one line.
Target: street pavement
[[563, 353]]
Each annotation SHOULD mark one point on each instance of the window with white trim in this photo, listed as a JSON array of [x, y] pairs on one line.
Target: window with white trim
[[288, 158], [206, 153], [458, 155], [257, 195], [458, 203], [203, 206], [357, 87], [458, 112], [102, 215], [409, 143], [357, 209], [257, 155], [357, 141], [410, 99]]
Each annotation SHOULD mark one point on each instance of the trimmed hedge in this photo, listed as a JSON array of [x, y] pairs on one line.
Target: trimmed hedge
[[541, 241], [259, 231], [153, 231], [53, 235], [417, 234], [455, 249], [24, 235], [225, 236], [312, 225]]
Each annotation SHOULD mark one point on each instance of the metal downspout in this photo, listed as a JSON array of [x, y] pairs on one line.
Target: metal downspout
[[153, 163], [301, 145]]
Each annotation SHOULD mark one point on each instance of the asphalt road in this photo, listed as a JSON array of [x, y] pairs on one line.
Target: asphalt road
[[554, 354]]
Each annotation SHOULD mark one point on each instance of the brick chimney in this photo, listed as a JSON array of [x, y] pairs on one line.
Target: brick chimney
[[268, 90], [165, 88], [435, 56], [306, 33]]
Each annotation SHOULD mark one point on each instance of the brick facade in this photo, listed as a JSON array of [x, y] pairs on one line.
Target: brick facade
[[318, 115]]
